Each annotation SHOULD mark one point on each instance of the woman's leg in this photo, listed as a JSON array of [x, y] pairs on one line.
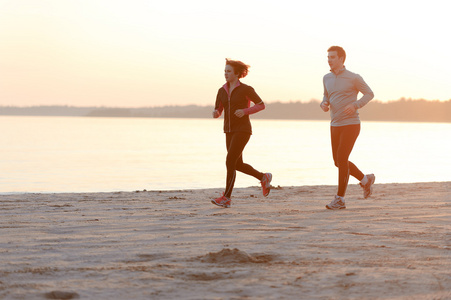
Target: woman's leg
[[236, 142], [246, 168], [343, 139]]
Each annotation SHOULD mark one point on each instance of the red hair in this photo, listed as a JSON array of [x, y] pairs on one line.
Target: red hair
[[340, 51], [239, 67]]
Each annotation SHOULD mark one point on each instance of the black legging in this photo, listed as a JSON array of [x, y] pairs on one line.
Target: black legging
[[235, 142], [343, 139]]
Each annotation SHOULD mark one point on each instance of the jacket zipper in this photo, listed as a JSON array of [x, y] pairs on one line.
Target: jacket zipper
[[230, 126], [229, 96]]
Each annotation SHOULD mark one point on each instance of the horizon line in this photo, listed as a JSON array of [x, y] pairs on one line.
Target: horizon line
[[206, 105]]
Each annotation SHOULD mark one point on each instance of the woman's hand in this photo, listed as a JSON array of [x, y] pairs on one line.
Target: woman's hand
[[216, 114], [239, 113]]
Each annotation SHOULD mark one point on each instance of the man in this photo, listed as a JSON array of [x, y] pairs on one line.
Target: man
[[341, 88]]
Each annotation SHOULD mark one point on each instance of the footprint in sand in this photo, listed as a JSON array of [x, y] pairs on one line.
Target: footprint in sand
[[228, 256], [61, 295]]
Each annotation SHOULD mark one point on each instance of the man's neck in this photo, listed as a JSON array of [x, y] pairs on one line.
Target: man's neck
[[337, 70]]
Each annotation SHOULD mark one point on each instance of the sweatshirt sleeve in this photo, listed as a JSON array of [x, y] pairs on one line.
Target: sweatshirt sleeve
[[325, 93], [363, 88]]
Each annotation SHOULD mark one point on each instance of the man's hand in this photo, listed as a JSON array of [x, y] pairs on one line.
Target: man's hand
[[325, 106], [349, 109]]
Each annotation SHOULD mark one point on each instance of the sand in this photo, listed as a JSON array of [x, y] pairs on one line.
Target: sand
[[177, 245]]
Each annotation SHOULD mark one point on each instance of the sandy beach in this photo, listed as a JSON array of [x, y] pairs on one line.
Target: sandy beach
[[177, 245]]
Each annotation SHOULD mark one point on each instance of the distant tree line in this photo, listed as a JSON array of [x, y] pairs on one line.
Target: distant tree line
[[404, 110], [408, 110]]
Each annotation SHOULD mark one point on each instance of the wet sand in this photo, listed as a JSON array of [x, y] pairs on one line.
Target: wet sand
[[177, 245]]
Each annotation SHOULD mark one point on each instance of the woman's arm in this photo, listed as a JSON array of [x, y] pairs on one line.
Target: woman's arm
[[252, 96], [218, 107], [255, 108]]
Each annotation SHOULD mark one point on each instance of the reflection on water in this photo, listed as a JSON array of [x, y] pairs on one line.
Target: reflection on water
[[71, 154]]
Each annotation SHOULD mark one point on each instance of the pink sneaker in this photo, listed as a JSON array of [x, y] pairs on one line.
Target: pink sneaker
[[222, 201], [266, 184]]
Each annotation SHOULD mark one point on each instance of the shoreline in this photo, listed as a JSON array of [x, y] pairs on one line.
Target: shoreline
[[206, 189], [404, 110], [176, 244]]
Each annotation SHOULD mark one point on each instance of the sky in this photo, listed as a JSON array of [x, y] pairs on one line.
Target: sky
[[136, 53]]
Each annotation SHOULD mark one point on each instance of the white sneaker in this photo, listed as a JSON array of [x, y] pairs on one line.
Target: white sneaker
[[337, 203], [368, 187]]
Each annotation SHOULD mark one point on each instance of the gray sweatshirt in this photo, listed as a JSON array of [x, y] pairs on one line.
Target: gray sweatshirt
[[340, 90]]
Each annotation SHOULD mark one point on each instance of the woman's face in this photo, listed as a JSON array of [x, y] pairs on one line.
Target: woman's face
[[229, 74]]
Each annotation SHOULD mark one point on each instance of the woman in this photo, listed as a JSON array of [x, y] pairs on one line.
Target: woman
[[234, 99]]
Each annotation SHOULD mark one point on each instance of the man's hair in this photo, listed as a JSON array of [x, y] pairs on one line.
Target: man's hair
[[239, 68], [340, 51]]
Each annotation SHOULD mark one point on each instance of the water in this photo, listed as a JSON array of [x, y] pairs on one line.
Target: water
[[71, 154]]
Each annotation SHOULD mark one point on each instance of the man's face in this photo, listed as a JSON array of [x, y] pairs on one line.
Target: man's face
[[335, 62]]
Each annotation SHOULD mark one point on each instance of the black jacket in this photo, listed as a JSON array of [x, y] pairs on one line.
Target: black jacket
[[240, 98]]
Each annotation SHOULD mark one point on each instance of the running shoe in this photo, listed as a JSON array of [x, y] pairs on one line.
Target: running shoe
[[222, 201], [266, 184], [368, 187], [337, 203]]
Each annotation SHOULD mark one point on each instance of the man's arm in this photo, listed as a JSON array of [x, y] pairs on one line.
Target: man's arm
[[362, 87], [325, 103]]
